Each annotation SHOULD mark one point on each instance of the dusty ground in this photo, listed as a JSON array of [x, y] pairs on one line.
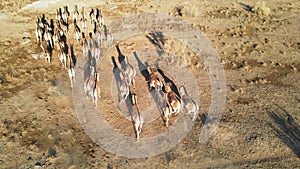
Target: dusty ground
[[260, 127]]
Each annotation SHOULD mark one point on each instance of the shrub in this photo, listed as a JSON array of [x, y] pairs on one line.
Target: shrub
[[261, 9]]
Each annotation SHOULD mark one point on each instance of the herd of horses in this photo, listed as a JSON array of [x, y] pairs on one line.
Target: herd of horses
[[53, 37]]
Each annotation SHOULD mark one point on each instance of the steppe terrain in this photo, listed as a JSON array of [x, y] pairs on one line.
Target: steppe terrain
[[259, 49]]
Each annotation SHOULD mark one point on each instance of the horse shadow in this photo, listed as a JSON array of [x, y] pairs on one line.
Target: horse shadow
[[167, 80], [121, 57], [142, 67], [158, 40], [86, 67], [116, 72], [73, 57]]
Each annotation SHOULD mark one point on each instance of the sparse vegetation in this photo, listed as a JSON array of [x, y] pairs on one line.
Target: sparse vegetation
[[261, 9], [186, 10], [258, 45]]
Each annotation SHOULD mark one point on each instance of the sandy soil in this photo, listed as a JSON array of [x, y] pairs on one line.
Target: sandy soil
[[260, 126]]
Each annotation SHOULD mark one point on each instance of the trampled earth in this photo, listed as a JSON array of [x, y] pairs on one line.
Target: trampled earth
[[259, 50]]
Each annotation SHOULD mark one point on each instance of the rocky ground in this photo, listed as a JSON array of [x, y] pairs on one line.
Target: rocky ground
[[259, 48]]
